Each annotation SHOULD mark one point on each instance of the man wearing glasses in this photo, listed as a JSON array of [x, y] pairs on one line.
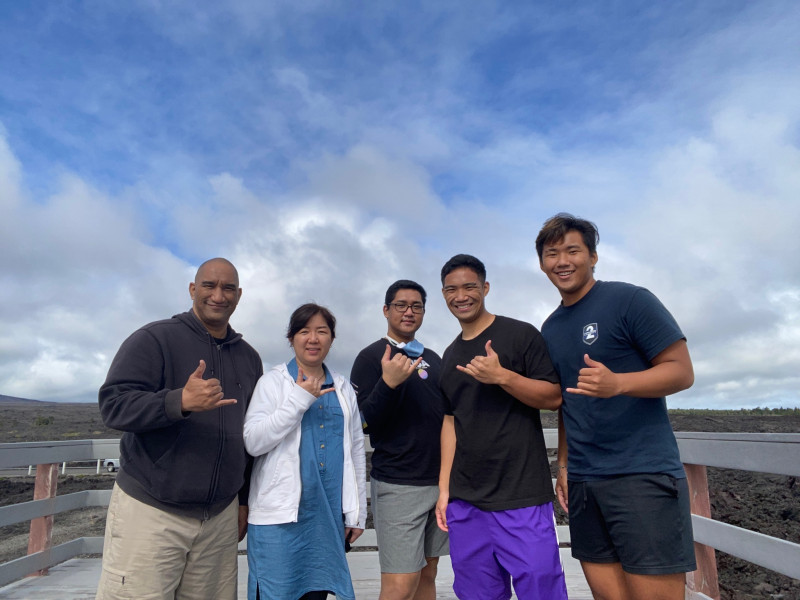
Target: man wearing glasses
[[396, 380]]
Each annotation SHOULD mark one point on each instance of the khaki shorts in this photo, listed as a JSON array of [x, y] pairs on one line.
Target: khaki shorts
[[405, 524], [150, 554]]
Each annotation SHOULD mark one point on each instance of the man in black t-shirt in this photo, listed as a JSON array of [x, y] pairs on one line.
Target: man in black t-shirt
[[396, 381], [495, 490]]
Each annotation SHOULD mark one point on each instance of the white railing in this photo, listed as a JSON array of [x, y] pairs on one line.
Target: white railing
[[766, 453], [775, 453]]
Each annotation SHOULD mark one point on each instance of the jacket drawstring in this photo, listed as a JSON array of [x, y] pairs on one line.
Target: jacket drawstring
[[211, 362], [236, 371]]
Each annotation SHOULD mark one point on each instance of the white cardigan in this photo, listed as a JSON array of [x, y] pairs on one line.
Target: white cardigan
[[272, 436]]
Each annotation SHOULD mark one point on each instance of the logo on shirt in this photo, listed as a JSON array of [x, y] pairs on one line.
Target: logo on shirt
[[590, 333], [421, 369]]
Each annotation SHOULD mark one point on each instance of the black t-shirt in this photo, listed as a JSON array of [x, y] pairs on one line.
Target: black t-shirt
[[501, 460], [404, 423]]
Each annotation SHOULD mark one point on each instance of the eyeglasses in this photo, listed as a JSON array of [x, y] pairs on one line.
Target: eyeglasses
[[402, 307]]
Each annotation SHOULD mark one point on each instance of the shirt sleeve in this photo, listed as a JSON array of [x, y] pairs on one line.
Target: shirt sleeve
[[376, 400], [244, 492], [651, 326], [448, 407], [133, 397], [273, 414], [358, 455], [537, 360]]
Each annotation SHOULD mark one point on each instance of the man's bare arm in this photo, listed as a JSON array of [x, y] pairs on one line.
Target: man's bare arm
[[448, 439], [671, 372], [561, 465]]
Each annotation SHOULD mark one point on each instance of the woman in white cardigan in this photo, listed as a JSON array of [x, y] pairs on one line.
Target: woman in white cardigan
[[308, 488]]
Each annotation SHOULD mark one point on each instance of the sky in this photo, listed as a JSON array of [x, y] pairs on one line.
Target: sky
[[329, 148]]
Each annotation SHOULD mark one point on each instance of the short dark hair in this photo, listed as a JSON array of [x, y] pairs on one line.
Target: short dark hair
[[403, 284], [464, 260], [555, 228], [302, 315]]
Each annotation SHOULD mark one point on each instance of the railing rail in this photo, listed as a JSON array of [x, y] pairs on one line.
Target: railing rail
[[26, 511], [22, 454], [766, 453], [778, 454]]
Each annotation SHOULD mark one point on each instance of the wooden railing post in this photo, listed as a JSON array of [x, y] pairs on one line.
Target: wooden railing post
[[704, 579], [41, 535]]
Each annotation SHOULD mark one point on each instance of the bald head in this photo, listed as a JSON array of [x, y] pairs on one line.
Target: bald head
[[215, 293], [217, 261]]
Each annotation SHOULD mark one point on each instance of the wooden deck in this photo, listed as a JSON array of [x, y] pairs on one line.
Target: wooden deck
[[77, 579]]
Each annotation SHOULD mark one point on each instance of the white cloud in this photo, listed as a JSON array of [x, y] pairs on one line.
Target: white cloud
[[367, 180], [328, 154], [10, 174]]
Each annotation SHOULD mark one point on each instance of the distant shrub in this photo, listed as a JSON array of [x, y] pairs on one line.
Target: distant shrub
[[44, 421]]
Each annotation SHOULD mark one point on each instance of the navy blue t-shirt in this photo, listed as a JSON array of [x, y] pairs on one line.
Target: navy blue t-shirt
[[624, 327]]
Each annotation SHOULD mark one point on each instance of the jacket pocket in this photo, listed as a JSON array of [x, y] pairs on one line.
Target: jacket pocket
[[276, 481]]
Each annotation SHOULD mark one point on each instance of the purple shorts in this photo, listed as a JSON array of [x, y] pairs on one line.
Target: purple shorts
[[490, 549]]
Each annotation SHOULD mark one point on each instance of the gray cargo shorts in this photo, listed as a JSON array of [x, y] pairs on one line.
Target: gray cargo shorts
[[405, 525]]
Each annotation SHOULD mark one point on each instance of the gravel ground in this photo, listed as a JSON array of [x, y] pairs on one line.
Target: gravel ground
[[766, 503]]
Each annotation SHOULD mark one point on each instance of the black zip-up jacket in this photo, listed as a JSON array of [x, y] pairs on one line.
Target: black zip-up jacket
[[191, 463]]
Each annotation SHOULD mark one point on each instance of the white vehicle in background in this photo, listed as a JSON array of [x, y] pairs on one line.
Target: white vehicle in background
[[111, 464]]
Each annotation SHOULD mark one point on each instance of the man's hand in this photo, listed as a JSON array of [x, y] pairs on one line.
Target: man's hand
[[242, 521], [596, 380], [562, 489], [486, 369], [441, 510], [202, 394], [313, 385], [351, 534], [398, 368]]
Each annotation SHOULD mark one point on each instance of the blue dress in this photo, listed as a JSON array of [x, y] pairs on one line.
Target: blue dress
[[291, 559]]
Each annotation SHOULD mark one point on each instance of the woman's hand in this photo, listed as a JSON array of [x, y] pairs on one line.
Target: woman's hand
[[351, 534], [313, 385]]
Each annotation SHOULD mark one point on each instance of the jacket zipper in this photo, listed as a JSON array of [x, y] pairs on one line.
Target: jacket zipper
[[217, 465]]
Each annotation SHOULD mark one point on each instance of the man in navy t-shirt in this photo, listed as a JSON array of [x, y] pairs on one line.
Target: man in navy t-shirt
[[618, 352]]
